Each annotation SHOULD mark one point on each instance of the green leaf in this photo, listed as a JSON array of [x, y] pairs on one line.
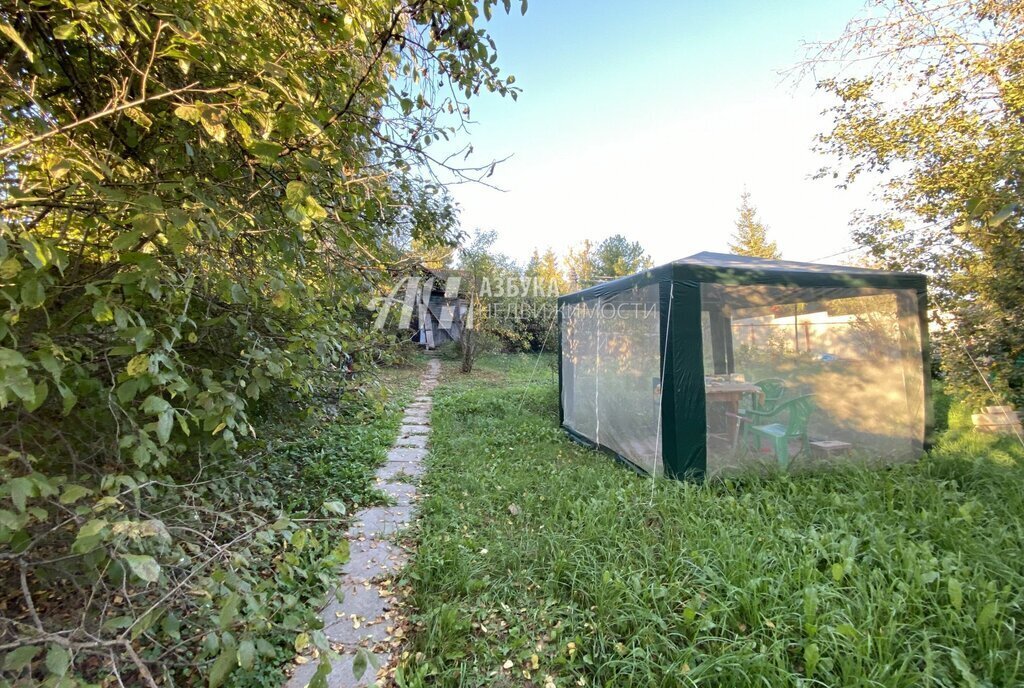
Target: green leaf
[[246, 653], [11, 520], [10, 268], [21, 489], [299, 540], [847, 630], [126, 240], [964, 667], [1003, 215], [171, 626], [956, 593], [65, 31], [58, 660], [522, 8], [93, 527], [155, 405], [224, 665], [359, 664], [362, 660], [36, 253], [335, 507], [143, 566], [812, 655], [189, 113], [267, 150], [16, 660], [296, 192], [323, 670], [33, 295], [72, 493], [987, 615], [41, 391], [837, 572], [89, 535], [8, 30], [164, 426], [229, 612], [101, 312]]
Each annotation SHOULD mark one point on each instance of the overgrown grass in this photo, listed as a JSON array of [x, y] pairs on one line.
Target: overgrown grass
[[541, 562], [309, 457]]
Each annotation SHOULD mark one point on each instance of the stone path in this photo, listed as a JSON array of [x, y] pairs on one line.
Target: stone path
[[362, 616]]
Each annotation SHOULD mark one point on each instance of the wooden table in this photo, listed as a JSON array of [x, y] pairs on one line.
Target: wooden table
[[728, 395]]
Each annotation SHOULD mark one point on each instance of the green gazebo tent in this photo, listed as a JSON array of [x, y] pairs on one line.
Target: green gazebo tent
[[667, 369]]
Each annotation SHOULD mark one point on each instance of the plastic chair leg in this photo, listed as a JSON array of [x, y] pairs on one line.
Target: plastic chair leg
[[782, 452]]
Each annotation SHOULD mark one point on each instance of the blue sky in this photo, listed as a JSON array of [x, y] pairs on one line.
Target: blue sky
[[649, 119]]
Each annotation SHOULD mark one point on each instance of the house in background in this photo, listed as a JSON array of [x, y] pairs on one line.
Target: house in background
[[438, 315]]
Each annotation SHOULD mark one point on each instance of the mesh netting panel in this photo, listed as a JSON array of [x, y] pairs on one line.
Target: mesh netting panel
[[611, 376], [850, 358]]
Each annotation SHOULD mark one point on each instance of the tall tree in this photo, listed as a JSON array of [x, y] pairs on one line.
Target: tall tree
[[751, 236], [544, 267], [493, 314], [935, 109], [581, 265], [617, 256]]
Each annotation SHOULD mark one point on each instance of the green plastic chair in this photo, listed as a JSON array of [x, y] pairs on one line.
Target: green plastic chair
[[773, 389], [797, 412]]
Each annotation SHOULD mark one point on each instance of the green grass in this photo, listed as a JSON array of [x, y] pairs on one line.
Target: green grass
[[531, 545]]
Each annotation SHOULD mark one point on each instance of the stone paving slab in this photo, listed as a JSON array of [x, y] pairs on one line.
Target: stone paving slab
[[380, 520], [407, 454], [400, 470], [404, 494], [413, 429], [417, 441], [362, 616], [373, 558], [359, 619]]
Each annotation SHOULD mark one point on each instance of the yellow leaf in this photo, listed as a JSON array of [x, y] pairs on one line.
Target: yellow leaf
[[535, 661], [138, 365]]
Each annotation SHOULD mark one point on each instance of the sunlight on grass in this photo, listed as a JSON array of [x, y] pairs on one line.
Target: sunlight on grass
[[542, 562]]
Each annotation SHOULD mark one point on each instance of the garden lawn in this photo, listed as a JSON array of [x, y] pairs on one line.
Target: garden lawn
[[543, 563]]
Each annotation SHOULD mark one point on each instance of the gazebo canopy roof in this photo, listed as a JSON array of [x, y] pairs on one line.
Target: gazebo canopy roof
[[728, 261], [727, 269]]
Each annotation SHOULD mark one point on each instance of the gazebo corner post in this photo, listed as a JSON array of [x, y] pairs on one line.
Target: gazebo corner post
[[683, 405], [560, 325]]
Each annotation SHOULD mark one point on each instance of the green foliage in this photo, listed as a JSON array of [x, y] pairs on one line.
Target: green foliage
[[197, 199], [539, 558], [938, 119], [493, 320], [751, 237], [614, 257]]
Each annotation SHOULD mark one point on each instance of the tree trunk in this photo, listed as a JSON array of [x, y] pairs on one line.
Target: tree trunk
[[467, 350]]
